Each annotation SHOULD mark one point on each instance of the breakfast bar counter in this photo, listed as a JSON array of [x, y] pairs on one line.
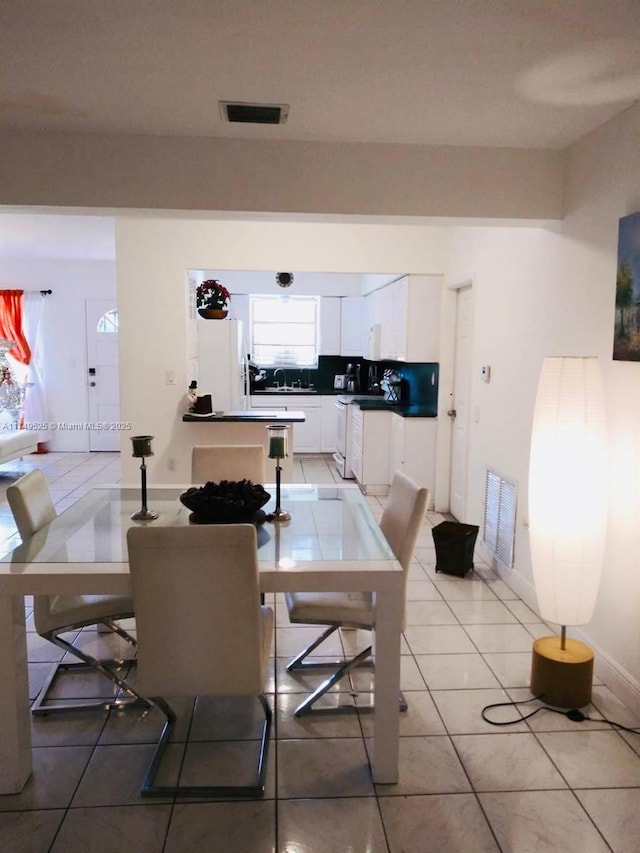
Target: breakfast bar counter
[[244, 427], [251, 415]]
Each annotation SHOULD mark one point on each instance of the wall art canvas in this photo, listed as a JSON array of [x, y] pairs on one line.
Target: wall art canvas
[[626, 337]]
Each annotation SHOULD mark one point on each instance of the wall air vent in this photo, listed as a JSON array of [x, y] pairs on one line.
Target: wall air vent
[[499, 528], [235, 111]]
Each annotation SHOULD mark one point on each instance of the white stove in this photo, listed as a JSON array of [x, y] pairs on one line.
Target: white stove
[[342, 455]]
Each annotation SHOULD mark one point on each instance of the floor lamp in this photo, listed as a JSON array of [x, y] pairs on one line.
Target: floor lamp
[[568, 477]]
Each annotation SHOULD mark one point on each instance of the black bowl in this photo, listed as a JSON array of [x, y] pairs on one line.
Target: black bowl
[[225, 502]]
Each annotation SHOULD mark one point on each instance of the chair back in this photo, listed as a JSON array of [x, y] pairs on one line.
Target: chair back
[[30, 502], [403, 515], [197, 604], [228, 462]]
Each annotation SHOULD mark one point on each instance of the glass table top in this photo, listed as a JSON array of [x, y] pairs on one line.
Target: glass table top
[[327, 524]]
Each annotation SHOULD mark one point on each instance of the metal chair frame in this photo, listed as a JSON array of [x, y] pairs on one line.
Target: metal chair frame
[[106, 667], [362, 659], [150, 789], [402, 541]]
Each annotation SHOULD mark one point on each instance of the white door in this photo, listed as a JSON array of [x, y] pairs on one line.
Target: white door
[[461, 387], [102, 363]]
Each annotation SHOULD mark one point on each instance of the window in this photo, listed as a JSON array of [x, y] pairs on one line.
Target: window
[[108, 322], [284, 330]]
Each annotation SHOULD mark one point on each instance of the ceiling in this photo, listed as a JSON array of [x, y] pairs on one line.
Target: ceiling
[[507, 73]]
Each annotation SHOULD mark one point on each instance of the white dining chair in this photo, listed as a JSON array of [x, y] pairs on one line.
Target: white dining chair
[[205, 581], [228, 462], [30, 502], [401, 521]]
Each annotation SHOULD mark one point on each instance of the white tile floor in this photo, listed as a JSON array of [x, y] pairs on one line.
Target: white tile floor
[[545, 784]]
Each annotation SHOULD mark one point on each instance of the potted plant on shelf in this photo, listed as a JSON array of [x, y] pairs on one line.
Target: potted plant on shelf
[[211, 299]]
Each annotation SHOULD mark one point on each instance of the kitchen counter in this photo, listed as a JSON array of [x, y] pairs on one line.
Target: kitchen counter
[[292, 392], [367, 403], [249, 415], [405, 410], [246, 427]]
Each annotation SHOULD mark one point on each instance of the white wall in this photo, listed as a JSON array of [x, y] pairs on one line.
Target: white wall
[[63, 333], [544, 292], [183, 173]]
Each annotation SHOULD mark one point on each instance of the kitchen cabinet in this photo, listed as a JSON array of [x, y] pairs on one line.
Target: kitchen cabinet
[[413, 450], [352, 326], [329, 416], [307, 435], [239, 308], [330, 325], [371, 437], [408, 311]]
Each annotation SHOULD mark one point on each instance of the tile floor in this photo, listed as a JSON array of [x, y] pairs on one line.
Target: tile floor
[[545, 784]]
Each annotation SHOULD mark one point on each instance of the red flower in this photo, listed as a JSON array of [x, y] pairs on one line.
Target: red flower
[[212, 294]]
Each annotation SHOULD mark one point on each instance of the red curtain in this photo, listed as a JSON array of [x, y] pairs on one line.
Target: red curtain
[[11, 324]]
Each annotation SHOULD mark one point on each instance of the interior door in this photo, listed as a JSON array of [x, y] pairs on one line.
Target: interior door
[[103, 381], [460, 409]]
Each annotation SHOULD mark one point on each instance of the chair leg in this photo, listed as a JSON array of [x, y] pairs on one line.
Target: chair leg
[[360, 660], [297, 662], [333, 679], [117, 629], [150, 789], [39, 708]]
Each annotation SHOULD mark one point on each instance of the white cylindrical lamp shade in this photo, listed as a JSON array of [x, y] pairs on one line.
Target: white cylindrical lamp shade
[[568, 479]]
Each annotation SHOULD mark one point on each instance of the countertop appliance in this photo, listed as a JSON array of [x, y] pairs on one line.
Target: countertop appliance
[[342, 457], [392, 385], [353, 378], [222, 364], [257, 377], [373, 385], [340, 381]]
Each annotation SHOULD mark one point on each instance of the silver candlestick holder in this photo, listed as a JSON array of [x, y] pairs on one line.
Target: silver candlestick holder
[[142, 450], [278, 450]]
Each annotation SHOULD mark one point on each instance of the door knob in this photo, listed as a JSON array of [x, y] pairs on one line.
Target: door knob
[[452, 413]]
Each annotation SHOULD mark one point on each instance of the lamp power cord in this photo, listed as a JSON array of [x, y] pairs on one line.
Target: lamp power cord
[[575, 715]]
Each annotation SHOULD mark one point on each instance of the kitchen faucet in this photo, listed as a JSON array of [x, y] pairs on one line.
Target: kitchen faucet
[[275, 376]]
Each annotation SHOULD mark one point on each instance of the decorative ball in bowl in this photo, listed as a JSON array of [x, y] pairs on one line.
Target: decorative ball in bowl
[[226, 502]]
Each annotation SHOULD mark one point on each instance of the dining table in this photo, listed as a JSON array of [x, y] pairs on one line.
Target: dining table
[[332, 542]]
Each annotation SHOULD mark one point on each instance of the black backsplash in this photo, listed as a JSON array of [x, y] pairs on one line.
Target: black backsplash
[[419, 385]]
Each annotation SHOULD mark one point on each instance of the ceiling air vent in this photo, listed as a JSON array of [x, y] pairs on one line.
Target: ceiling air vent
[[254, 113]]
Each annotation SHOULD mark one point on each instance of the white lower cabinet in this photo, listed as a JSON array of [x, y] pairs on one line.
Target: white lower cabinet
[[370, 436], [413, 450], [307, 435]]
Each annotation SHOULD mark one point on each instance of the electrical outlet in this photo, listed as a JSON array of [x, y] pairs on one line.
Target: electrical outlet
[[170, 377], [171, 463]]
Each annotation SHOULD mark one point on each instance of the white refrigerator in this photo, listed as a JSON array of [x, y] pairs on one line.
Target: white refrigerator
[[222, 364]]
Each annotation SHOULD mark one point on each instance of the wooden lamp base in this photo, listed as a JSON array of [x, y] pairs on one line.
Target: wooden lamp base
[[562, 677]]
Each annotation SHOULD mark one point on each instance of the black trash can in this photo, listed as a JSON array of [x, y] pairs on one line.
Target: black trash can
[[454, 547]]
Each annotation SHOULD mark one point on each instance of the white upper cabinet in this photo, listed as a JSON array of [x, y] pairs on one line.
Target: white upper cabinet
[[239, 308], [352, 326], [409, 312], [330, 325]]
